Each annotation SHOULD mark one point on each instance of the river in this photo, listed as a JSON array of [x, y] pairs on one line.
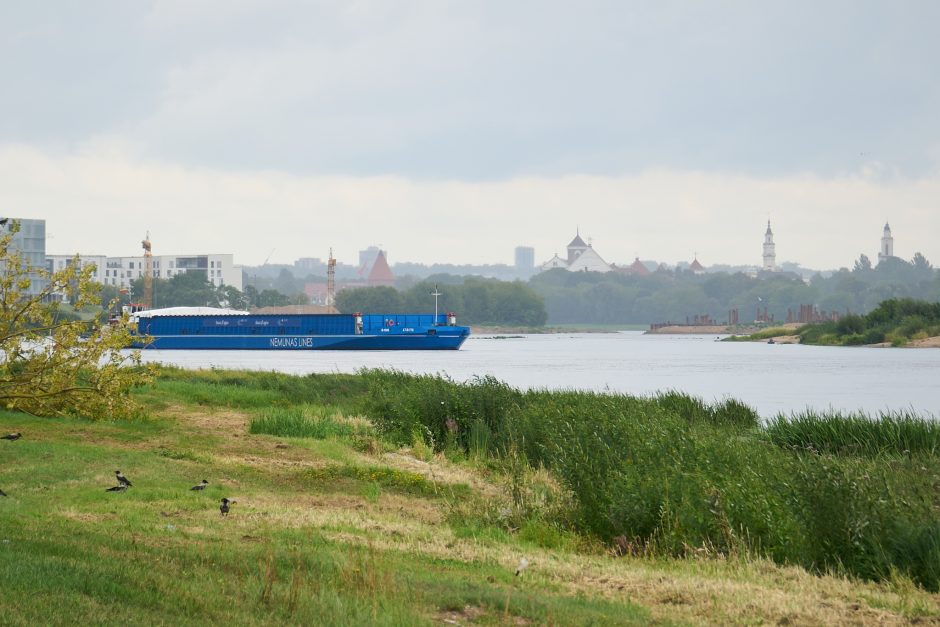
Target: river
[[772, 378]]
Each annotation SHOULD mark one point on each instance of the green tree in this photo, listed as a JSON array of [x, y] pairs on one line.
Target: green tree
[[863, 264], [55, 364], [231, 297]]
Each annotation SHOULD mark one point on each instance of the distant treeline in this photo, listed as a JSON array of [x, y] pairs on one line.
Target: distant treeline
[[476, 300], [612, 298], [559, 296], [897, 321]]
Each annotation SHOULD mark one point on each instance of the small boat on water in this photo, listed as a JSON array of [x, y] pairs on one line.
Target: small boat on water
[[204, 328]]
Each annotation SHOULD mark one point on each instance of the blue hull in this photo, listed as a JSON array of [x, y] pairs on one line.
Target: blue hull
[[375, 332], [308, 342]]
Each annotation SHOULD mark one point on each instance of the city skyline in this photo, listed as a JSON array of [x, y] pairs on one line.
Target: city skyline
[[374, 249], [460, 130]]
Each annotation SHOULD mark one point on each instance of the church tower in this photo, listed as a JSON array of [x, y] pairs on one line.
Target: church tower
[[770, 254], [576, 248], [887, 244]]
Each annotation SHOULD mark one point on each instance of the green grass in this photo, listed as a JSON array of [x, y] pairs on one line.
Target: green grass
[[899, 433], [161, 554], [307, 421], [673, 475], [328, 529], [258, 390], [764, 334], [896, 321]]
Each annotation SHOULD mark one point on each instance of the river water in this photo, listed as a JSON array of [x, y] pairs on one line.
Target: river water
[[772, 378]]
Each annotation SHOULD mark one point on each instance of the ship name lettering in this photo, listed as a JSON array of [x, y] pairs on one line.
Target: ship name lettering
[[291, 342]]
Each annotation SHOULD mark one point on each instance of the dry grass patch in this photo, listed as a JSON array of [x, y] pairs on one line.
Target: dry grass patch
[[442, 471], [85, 517], [706, 592]]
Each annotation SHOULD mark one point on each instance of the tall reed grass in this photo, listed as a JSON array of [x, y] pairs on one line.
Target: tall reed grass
[[858, 434], [673, 475], [308, 421]]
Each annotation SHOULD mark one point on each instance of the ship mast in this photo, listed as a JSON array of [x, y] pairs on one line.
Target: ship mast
[[435, 294]]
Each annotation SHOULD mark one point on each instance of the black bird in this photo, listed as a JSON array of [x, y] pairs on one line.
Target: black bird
[[122, 479], [2, 493], [12, 436], [200, 486], [3, 221], [118, 488], [224, 506]]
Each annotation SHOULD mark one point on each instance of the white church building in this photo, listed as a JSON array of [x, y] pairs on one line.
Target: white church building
[[581, 258], [887, 244]]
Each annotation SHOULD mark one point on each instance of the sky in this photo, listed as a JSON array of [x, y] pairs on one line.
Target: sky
[[453, 132]]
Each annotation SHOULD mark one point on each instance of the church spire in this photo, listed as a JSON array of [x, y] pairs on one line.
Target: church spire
[[887, 244], [770, 251]]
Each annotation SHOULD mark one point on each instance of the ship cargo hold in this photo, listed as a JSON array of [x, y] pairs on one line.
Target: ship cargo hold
[[179, 328]]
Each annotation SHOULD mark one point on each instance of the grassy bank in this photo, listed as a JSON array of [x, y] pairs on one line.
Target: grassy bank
[[671, 475], [764, 334], [894, 321], [385, 498]]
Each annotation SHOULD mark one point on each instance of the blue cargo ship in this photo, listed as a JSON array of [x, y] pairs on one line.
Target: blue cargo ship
[[169, 329]]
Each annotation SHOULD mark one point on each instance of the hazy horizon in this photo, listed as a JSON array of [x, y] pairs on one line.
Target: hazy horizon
[[452, 132]]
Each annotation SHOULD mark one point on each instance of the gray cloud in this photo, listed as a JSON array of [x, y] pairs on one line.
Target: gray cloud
[[486, 90]]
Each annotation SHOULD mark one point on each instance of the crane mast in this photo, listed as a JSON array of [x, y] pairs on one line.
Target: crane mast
[[148, 273], [331, 280]]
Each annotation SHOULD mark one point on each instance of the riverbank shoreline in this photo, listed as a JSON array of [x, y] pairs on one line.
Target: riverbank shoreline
[[718, 329], [510, 330]]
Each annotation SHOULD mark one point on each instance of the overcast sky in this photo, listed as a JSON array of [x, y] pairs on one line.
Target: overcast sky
[[455, 131]]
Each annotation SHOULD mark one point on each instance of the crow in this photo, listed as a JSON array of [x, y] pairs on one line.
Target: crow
[[12, 436], [223, 508], [122, 479], [200, 486], [118, 488]]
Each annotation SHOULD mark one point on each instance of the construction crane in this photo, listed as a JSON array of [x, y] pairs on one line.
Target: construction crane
[[148, 273], [331, 280]]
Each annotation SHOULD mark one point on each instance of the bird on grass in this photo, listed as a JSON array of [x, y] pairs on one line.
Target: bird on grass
[[12, 436], [118, 488], [200, 486], [224, 507], [523, 564], [122, 479], [2, 493]]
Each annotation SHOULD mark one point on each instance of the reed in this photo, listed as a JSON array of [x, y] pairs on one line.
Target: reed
[[308, 421], [675, 476], [897, 433]]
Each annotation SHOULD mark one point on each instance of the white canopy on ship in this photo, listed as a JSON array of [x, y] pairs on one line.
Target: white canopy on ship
[[190, 311]]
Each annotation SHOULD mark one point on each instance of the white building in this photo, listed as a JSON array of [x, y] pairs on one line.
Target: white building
[[581, 258], [589, 261], [30, 242], [887, 244], [120, 272], [554, 262], [770, 253]]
